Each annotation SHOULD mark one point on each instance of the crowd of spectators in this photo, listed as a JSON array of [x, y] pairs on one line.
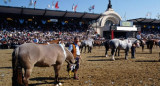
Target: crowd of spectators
[[11, 36]]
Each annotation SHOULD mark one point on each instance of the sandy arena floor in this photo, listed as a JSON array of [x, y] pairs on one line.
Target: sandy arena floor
[[95, 70]]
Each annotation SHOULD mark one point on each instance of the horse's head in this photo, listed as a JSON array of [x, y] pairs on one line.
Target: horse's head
[[143, 42], [137, 43], [69, 57]]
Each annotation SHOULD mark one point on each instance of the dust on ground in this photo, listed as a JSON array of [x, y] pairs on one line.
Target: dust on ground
[[95, 70]]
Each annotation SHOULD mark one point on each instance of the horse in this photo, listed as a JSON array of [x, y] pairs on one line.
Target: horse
[[87, 43], [98, 43], [28, 55], [120, 44], [150, 41], [143, 42]]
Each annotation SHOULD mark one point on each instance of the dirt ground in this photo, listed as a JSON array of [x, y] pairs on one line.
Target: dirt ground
[[95, 70]]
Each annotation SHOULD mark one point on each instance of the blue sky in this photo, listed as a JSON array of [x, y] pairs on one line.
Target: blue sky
[[131, 8]]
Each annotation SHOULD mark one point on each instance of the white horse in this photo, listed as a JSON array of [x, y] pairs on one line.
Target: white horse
[[122, 44], [87, 43]]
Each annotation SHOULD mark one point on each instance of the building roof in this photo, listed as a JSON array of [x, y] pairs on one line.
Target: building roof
[[46, 12], [145, 20]]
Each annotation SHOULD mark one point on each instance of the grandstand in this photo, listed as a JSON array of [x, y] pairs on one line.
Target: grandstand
[[22, 17], [148, 26], [20, 25]]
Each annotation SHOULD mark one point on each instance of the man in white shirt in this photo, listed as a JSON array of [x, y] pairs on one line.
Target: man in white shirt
[[74, 48]]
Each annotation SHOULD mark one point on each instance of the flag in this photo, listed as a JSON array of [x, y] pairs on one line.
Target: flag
[[89, 9], [93, 7], [49, 6], [52, 4], [148, 14], [158, 16], [124, 16], [56, 6], [35, 3], [75, 8], [5, 1], [31, 2]]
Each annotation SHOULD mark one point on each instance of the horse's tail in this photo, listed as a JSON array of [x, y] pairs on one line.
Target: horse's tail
[[17, 69]]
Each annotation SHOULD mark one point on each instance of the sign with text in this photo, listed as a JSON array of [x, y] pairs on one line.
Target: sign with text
[[53, 20], [126, 23]]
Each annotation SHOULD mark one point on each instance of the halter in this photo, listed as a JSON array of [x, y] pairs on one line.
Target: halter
[[64, 52], [136, 42]]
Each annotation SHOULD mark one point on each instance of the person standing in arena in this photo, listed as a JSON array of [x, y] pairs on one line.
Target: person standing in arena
[[74, 48], [133, 49]]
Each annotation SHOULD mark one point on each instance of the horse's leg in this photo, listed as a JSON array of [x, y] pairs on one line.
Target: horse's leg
[[159, 56], [106, 51], [126, 53], [107, 48], [56, 69], [142, 47], [148, 46], [81, 48], [118, 51], [69, 70], [26, 76], [112, 52], [99, 46], [151, 46], [88, 49], [84, 49]]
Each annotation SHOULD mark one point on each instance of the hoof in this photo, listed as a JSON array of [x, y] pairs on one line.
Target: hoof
[[106, 55], [126, 58], [132, 57], [112, 59], [59, 84]]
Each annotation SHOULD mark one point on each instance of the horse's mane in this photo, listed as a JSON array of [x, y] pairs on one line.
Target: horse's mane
[[131, 38]]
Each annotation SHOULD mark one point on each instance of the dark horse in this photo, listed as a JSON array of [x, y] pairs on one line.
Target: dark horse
[[150, 44], [29, 55]]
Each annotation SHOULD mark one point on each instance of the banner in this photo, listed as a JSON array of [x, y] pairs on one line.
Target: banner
[[126, 23], [21, 21], [43, 22]]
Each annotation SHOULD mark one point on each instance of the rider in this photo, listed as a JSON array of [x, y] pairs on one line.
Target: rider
[[74, 48], [138, 36]]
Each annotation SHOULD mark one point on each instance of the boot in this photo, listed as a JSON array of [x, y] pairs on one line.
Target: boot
[[75, 75]]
